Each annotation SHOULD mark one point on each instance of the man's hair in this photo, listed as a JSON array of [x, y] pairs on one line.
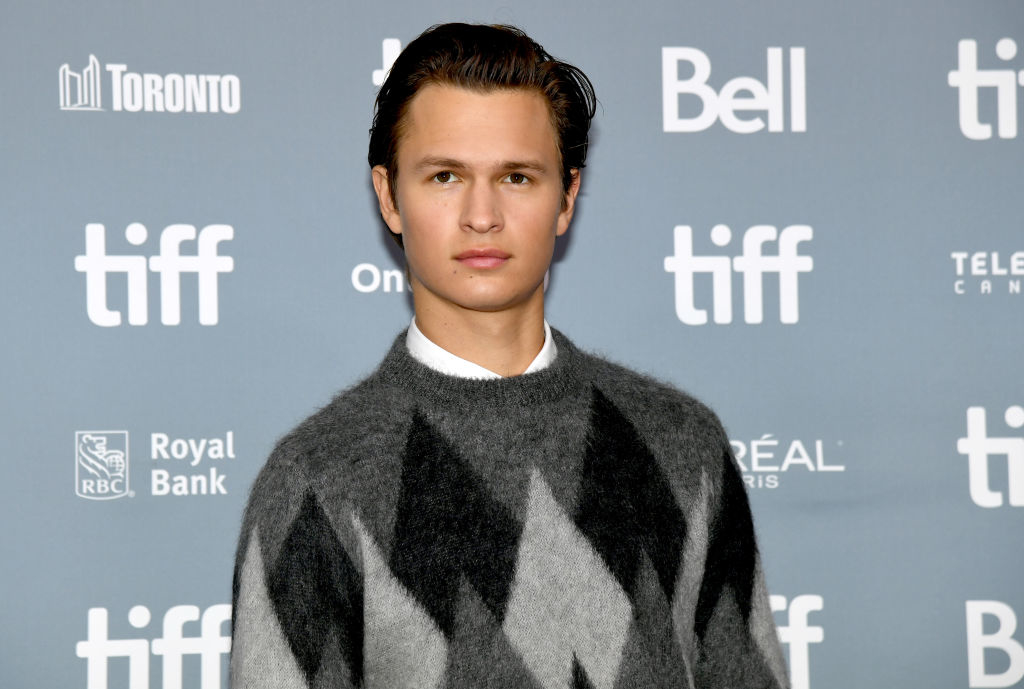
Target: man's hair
[[483, 58]]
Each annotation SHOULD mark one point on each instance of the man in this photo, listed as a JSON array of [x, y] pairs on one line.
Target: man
[[493, 507]]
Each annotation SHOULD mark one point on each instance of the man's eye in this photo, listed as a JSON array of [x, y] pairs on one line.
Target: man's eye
[[517, 178], [445, 177]]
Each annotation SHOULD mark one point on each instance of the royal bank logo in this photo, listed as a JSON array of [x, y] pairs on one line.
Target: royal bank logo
[[147, 91], [101, 464], [81, 90], [754, 264]]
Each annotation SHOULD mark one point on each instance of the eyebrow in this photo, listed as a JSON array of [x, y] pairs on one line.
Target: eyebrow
[[505, 165]]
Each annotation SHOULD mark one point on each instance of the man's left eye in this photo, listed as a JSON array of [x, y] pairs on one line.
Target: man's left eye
[[517, 178]]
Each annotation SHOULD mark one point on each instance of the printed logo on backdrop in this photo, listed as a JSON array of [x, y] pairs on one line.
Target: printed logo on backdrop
[[170, 264], [987, 272], [753, 264], [991, 457], [991, 90], [187, 631], [367, 278], [797, 634], [994, 658], [81, 90], [147, 92], [390, 49], [766, 461], [690, 104], [180, 466], [101, 465]]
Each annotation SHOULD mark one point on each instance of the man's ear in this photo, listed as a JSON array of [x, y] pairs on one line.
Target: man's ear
[[568, 203], [385, 199]]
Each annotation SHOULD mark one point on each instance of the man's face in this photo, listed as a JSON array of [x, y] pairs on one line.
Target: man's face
[[479, 198]]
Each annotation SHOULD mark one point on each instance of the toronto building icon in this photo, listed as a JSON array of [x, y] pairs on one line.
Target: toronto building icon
[[80, 91]]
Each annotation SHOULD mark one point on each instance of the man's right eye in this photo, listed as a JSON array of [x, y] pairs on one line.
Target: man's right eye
[[445, 177]]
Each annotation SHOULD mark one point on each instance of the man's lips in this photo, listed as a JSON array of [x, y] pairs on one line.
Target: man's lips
[[483, 258]]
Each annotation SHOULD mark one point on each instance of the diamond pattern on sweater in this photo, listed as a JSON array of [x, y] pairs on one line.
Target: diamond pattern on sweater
[[480, 655], [318, 593], [448, 525], [626, 506], [404, 646], [732, 551], [259, 651], [565, 604]]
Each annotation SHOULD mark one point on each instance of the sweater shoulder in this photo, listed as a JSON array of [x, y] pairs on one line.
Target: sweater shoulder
[[341, 431], [657, 408]]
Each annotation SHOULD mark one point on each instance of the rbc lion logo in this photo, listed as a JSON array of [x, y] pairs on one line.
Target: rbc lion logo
[[101, 464]]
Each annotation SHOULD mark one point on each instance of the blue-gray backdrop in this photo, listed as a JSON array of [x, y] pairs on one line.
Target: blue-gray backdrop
[[807, 214]]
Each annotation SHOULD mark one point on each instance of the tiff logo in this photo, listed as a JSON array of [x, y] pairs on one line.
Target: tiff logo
[[969, 80], [978, 447], [753, 264], [211, 644], [80, 91], [739, 95], [207, 264], [798, 635], [980, 674]]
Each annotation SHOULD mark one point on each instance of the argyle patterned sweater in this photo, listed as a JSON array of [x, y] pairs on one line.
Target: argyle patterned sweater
[[582, 526]]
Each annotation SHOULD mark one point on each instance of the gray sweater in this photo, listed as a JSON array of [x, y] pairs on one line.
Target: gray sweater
[[582, 526]]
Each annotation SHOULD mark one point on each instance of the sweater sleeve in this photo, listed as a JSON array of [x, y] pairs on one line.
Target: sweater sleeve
[[737, 643], [297, 598]]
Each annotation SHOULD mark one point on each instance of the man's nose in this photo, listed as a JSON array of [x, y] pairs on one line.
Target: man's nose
[[481, 211]]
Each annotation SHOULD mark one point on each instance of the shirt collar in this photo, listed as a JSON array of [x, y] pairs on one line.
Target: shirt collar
[[441, 360]]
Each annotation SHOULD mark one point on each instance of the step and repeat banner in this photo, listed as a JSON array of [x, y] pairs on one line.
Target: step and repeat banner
[[809, 215]]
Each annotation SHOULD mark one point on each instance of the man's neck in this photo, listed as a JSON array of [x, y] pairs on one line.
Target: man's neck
[[505, 342]]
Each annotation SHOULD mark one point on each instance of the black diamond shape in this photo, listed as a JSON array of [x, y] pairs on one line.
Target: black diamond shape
[[626, 504], [447, 525], [315, 588]]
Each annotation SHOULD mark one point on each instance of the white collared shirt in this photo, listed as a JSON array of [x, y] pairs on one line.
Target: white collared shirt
[[436, 357]]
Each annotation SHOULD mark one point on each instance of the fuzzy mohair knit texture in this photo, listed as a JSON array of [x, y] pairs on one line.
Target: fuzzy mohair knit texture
[[582, 526]]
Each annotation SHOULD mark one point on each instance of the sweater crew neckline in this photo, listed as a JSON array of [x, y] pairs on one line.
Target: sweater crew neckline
[[558, 380]]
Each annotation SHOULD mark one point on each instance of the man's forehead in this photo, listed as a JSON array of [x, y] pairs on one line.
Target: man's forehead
[[450, 116]]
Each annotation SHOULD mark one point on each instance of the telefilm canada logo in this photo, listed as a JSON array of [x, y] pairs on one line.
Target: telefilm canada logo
[[147, 91], [753, 263], [987, 272], [101, 464], [975, 88]]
